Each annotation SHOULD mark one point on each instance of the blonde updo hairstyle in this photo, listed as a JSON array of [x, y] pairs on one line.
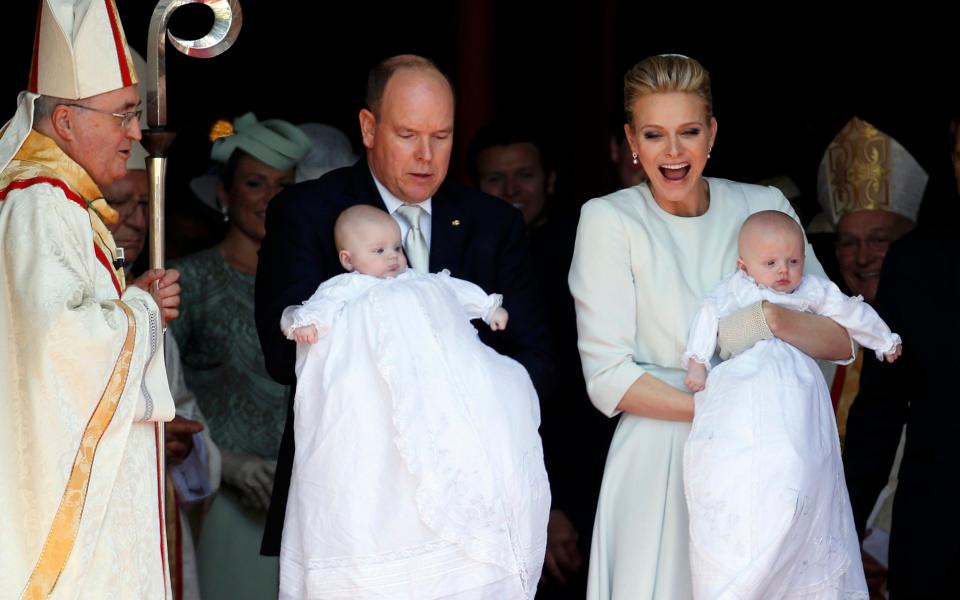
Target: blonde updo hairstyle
[[666, 73]]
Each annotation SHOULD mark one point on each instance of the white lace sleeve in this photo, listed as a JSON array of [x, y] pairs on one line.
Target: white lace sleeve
[[475, 302], [325, 304], [64, 314], [702, 339], [734, 292], [198, 476], [859, 318]]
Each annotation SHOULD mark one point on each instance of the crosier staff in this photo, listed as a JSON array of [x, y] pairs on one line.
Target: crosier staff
[[227, 18], [157, 139]]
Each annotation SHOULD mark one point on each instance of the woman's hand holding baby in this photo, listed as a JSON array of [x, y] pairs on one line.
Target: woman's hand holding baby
[[498, 321]]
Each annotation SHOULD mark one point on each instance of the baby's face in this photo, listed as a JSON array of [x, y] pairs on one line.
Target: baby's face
[[774, 259], [375, 249]]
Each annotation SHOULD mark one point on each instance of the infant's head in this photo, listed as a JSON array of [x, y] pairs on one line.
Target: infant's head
[[771, 247], [368, 242]]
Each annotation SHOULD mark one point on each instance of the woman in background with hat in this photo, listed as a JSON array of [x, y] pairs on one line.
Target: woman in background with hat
[[222, 360]]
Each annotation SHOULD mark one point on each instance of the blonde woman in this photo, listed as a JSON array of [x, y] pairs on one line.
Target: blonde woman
[[645, 257]]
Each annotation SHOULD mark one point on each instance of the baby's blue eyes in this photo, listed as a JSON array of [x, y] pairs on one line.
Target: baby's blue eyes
[[792, 261]]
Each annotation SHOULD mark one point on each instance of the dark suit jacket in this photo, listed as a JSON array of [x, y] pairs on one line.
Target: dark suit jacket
[[477, 237], [575, 435], [917, 297]]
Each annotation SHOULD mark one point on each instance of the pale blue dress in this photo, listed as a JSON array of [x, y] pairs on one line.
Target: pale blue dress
[[638, 276]]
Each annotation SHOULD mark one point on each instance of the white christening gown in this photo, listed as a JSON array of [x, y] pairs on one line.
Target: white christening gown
[[769, 511], [418, 471]]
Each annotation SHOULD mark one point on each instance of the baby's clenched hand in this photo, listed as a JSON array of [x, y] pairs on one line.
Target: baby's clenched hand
[[894, 355], [696, 378], [305, 335], [498, 320]]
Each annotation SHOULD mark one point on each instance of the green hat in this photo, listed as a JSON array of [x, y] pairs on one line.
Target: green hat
[[273, 142]]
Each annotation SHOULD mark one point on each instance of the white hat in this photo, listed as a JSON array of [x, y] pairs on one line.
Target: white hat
[[331, 149], [785, 184], [138, 154], [80, 50], [141, 66], [866, 169], [204, 187], [138, 157]]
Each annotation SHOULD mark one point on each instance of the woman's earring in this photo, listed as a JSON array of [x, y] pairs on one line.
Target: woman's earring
[[636, 162], [225, 213], [709, 150]]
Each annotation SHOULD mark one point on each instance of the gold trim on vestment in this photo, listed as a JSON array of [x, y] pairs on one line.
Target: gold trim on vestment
[[66, 522]]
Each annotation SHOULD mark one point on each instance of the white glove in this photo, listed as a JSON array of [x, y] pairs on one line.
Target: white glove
[[251, 475]]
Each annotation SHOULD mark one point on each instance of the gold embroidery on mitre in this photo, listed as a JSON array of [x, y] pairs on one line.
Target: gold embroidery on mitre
[[858, 163]]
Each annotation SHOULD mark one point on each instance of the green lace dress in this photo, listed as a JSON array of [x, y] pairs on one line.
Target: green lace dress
[[245, 411]]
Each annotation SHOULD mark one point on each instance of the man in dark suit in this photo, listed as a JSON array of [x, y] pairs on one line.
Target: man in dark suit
[[919, 286], [407, 130], [511, 160], [917, 296]]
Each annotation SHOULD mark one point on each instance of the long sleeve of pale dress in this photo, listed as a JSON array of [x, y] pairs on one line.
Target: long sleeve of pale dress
[[637, 277]]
